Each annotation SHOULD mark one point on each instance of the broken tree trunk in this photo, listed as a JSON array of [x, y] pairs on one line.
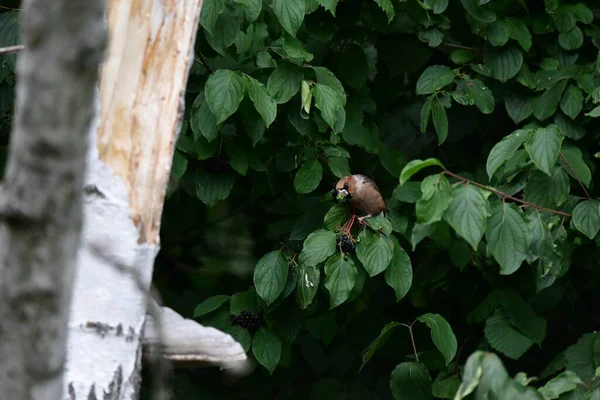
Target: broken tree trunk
[[142, 85]]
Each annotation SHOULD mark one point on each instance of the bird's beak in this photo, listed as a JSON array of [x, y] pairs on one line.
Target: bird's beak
[[342, 194]]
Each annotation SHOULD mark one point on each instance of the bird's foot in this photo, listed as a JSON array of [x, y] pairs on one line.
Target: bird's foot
[[361, 220]]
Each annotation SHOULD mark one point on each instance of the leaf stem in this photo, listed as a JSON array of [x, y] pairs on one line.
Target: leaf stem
[[564, 159], [458, 46], [412, 339], [505, 196]]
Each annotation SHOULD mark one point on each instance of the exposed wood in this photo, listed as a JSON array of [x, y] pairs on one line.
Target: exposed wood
[[143, 82]]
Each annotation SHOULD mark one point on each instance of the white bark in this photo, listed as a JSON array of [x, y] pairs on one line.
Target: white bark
[[140, 108], [40, 204]]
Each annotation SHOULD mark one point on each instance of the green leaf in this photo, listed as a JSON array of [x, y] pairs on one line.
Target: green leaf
[[546, 104], [264, 104], [571, 40], [375, 253], [595, 113], [574, 158], [340, 273], [415, 166], [380, 223], [437, 6], [317, 247], [446, 388], [508, 237], [252, 9], [237, 158], [504, 62], [543, 146], [518, 108], [210, 304], [441, 334], [482, 14], [244, 301], [504, 338], [440, 120], [308, 284], [241, 335], [379, 341], [308, 176], [471, 376], [399, 274], [461, 56], [571, 102], [547, 191], [519, 32], [290, 14], [211, 9], [483, 97], [426, 113], [180, 163], [522, 315], [498, 33], [224, 93], [563, 383], [204, 123], [434, 78], [266, 347], [504, 151], [339, 166], [468, 212], [327, 78], [284, 82], [329, 102], [210, 188], [582, 357], [329, 5], [295, 50], [388, 8], [410, 380], [586, 217], [270, 275], [336, 216], [410, 192], [435, 199]]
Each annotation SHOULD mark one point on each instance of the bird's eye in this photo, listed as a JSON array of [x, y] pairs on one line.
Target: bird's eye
[[346, 186]]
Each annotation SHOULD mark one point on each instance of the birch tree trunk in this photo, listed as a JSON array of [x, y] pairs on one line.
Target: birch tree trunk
[[40, 203], [143, 81]]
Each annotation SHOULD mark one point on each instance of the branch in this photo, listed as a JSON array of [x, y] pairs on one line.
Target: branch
[[562, 157], [458, 46], [11, 49], [505, 195], [412, 339]]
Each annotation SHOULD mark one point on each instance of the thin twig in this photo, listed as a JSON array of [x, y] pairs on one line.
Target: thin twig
[[412, 339], [202, 60], [564, 159], [11, 49], [505, 195], [458, 46]]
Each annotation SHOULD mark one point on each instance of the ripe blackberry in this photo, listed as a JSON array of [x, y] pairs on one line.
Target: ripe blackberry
[[248, 320], [217, 164], [345, 243]]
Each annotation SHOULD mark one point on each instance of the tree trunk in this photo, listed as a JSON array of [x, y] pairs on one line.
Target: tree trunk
[[143, 81], [41, 199]]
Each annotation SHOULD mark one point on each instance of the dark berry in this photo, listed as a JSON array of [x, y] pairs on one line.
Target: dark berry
[[217, 164], [248, 320], [345, 243]]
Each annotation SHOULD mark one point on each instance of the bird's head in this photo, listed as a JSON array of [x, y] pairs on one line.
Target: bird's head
[[344, 188]]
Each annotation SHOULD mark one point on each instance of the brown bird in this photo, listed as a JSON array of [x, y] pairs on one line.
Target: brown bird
[[363, 195]]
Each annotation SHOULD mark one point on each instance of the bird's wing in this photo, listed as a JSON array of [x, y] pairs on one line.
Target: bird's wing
[[368, 181]]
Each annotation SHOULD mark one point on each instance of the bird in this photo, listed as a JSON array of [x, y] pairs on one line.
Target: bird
[[363, 195]]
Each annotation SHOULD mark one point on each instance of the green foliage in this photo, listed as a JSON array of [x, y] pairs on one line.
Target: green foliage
[[479, 122]]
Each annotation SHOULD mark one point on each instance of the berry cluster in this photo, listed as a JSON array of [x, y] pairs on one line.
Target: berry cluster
[[345, 243], [217, 164], [248, 320]]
